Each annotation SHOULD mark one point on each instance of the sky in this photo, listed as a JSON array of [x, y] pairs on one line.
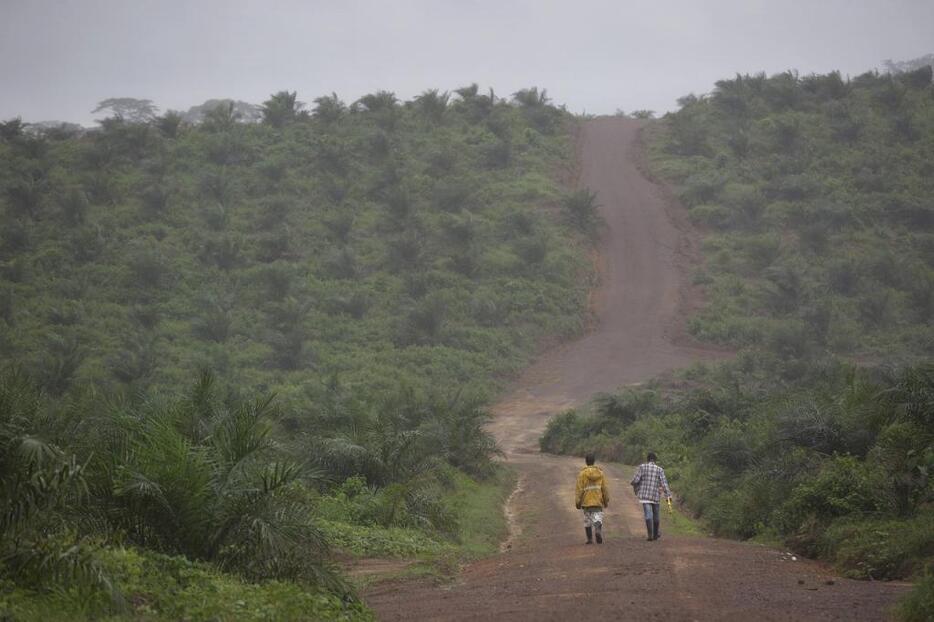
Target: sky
[[58, 58]]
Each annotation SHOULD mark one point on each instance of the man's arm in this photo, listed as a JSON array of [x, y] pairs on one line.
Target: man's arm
[[606, 492], [578, 492]]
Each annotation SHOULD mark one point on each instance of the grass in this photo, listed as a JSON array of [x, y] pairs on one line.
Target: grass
[[159, 587], [478, 504], [679, 523], [385, 542], [918, 605]]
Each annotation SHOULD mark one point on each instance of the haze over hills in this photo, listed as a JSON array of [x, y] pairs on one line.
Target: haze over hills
[[594, 57], [252, 352]]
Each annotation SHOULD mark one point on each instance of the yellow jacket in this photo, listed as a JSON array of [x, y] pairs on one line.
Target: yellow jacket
[[591, 489]]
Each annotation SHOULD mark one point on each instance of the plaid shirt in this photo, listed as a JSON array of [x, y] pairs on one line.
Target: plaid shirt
[[649, 477]]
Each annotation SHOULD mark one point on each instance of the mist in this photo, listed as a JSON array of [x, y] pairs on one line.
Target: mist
[[59, 58]]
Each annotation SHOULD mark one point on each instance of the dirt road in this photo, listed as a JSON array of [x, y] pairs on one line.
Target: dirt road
[[547, 573]]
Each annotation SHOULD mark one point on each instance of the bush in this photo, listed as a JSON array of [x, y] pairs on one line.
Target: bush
[[834, 462], [160, 587], [842, 487], [583, 211], [918, 606], [880, 548], [559, 436]]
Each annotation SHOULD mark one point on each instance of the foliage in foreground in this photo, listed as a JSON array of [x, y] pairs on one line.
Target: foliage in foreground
[[206, 477], [839, 466], [159, 587], [919, 604]]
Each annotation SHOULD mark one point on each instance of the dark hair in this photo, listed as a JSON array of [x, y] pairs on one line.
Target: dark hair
[[589, 459], [652, 457]]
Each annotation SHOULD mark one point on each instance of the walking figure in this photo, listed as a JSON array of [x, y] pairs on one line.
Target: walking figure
[[591, 497], [646, 482]]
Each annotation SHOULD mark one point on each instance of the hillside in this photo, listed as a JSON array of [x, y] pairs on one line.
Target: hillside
[[235, 351], [381, 244], [816, 193]]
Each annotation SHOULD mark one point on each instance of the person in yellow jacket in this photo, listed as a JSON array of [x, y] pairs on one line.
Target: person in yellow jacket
[[592, 496]]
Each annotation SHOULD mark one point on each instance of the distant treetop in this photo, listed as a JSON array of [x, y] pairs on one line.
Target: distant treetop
[[904, 66], [129, 109]]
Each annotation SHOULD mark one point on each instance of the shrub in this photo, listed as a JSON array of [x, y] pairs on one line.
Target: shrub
[[841, 488], [583, 211], [879, 548], [532, 250], [701, 188], [560, 431], [214, 324], [148, 266], [341, 264], [918, 605], [74, 206], [874, 307], [497, 154], [424, 321], [843, 277], [716, 216]]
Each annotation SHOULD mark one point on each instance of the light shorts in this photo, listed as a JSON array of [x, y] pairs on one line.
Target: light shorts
[[593, 516]]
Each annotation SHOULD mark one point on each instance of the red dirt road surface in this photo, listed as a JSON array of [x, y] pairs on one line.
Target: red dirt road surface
[[546, 572]]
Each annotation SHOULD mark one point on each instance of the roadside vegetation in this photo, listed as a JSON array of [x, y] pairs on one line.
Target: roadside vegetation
[[836, 467], [814, 197], [238, 351]]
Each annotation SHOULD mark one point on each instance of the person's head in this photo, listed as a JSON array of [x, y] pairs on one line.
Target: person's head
[[590, 459], [651, 457]]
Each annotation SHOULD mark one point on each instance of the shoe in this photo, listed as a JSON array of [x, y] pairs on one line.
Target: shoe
[[589, 532], [599, 538], [650, 530]]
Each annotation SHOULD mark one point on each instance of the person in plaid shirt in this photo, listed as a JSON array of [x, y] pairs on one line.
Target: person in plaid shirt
[[647, 481]]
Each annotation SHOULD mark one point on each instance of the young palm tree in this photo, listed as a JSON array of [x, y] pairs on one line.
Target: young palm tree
[[221, 118], [282, 108], [432, 105], [582, 211], [329, 108], [531, 97]]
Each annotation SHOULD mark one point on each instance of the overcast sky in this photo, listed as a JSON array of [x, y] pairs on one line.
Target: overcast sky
[[59, 57]]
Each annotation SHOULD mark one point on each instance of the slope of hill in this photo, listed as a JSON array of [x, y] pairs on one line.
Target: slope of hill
[[378, 245], [817, 195], [235, 344]]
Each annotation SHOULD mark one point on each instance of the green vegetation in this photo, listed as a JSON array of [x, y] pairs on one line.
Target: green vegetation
[[351, 518], [358, 280], [836, 467], [368, 247], [919, 604], [159, 587], [814, 194]]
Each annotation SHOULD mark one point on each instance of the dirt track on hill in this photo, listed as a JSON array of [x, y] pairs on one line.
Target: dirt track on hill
[[547, 573]]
